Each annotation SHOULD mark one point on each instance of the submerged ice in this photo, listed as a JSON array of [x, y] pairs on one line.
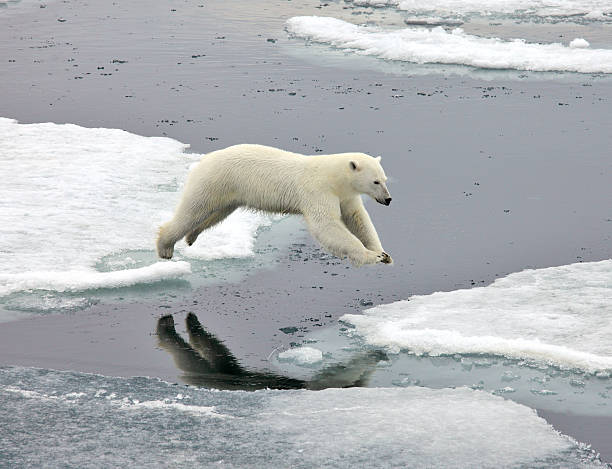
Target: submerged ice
[[559, 315], [72, 196], [86, 415], [437, 45]]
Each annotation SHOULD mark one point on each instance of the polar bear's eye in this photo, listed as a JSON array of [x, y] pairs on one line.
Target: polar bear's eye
[[376, 182]]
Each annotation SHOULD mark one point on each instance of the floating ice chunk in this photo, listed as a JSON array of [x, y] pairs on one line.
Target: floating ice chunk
[[559, 315], [420, 45], [579, 43], [81, 280], [302, 355]]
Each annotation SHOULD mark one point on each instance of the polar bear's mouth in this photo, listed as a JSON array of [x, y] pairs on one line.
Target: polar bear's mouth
[[386, 201]]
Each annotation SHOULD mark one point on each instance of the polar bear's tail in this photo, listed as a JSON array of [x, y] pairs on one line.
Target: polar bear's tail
[[165, 243]]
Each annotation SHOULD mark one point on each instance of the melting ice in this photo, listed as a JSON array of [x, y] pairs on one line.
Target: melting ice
[[437, 45], [158, 424], [302, 355], [558, 315], [72, 196]]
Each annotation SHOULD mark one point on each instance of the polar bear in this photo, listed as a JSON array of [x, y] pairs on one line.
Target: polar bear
[[325, 189]]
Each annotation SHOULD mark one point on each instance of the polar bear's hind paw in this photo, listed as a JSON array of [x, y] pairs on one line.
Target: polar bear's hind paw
[[165, 252], [191, 238], [164, 243]]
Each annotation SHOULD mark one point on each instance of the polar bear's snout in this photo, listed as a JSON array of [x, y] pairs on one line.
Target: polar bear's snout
[[384, 200], [383, 196]]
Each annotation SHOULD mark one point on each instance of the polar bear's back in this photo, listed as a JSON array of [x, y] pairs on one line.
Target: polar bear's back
[[256, 176], [251, 154]]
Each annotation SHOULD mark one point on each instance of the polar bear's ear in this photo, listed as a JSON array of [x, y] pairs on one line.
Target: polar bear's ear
[[354, 166], [378, 158]]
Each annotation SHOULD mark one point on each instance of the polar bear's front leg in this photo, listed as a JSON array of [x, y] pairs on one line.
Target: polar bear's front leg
[[334, 236], [357, 220]]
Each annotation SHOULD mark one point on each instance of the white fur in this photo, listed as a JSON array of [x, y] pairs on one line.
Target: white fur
[[325, 189]]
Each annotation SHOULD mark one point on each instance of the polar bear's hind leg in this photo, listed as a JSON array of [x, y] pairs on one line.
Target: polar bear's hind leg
[[217, 217], [165, 241], [169, 233]]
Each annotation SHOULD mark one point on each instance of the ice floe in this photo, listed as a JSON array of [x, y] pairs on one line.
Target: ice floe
[[73, 195], [437, 45], [557, 315], [80, 280], [597, 10], [145, 420]]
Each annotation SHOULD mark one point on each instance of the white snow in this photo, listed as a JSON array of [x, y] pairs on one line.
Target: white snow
[[422, 45], [558, 315], [302, 355], [73, 195]]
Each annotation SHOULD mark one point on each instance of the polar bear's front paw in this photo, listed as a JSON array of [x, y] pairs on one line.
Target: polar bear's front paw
[[368, 257], [384, 258]]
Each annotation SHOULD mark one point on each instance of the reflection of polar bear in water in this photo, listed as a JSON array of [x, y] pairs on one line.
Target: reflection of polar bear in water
[[326, 189]]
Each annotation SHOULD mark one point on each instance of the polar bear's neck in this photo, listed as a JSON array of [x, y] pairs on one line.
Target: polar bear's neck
[[333, 173]]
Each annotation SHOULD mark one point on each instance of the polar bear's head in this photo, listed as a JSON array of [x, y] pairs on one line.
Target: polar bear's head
[[368, 177]]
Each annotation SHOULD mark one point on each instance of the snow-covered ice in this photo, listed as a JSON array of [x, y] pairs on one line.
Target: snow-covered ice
[[72, 196], [80, 280], [154, 423], [558, 315], [437, 45]]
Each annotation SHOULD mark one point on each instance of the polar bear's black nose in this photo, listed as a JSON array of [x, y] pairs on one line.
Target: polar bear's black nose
[[387, 200]]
